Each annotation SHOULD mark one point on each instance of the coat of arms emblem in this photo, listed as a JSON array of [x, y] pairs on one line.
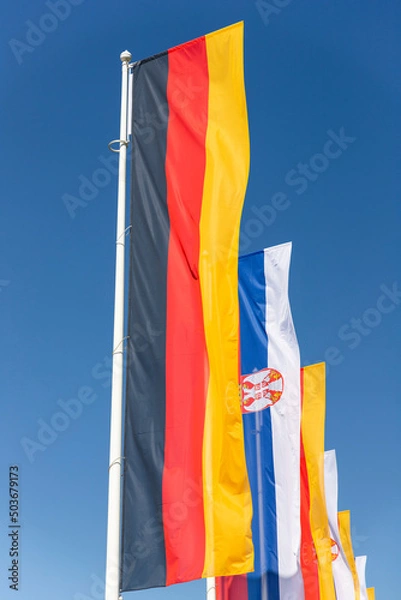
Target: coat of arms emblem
[[261, 390]]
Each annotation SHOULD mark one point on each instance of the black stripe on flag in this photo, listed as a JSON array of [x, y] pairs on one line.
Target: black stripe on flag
[[143, 553]]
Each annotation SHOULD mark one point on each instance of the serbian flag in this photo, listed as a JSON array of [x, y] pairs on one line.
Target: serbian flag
[[186, 498], [270, 367], [317, 545], [344, 524], [343, 580], [360, 563], [371, 593]]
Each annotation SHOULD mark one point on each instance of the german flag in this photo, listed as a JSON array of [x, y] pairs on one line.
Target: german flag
[[186, 499]]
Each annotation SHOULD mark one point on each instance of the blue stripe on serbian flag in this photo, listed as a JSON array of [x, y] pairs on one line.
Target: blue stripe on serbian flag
[[258, 430], [270, 367]]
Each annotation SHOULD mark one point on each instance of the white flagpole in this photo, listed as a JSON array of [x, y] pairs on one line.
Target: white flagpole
[[210, 588], [115, 467]]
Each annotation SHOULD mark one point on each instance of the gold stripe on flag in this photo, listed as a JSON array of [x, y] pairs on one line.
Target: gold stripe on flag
[[344, 523], [227, 496], [312, 427]]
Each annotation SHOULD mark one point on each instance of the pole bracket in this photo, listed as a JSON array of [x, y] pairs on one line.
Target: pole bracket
[[117, 461], [124, 234], [116, 349], [121, 142]]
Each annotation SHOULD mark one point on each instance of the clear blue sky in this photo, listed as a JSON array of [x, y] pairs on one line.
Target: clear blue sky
[[312, 67]]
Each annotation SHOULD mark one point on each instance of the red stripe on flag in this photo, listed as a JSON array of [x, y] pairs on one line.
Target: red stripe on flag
[[232, 588], [309, 563], [186, 357]]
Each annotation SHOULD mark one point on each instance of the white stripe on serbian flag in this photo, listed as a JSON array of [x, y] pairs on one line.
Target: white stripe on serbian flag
[[270, 367], [342, 575], [360, 562]]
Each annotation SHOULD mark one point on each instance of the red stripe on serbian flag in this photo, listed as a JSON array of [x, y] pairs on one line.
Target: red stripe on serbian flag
[[186, 356], [232, 588]]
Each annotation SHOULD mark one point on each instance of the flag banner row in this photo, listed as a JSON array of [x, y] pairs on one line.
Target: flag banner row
[[318, 544], [186, 497]]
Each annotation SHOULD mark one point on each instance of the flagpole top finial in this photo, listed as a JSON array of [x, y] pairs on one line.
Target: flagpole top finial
[[125, 56]]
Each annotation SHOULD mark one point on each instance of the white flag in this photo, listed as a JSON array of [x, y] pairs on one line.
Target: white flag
[[360, 562], [343, 580]]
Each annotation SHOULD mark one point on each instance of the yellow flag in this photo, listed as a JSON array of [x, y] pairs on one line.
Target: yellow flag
[[344, 523], [371, 593], [312, 427]]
